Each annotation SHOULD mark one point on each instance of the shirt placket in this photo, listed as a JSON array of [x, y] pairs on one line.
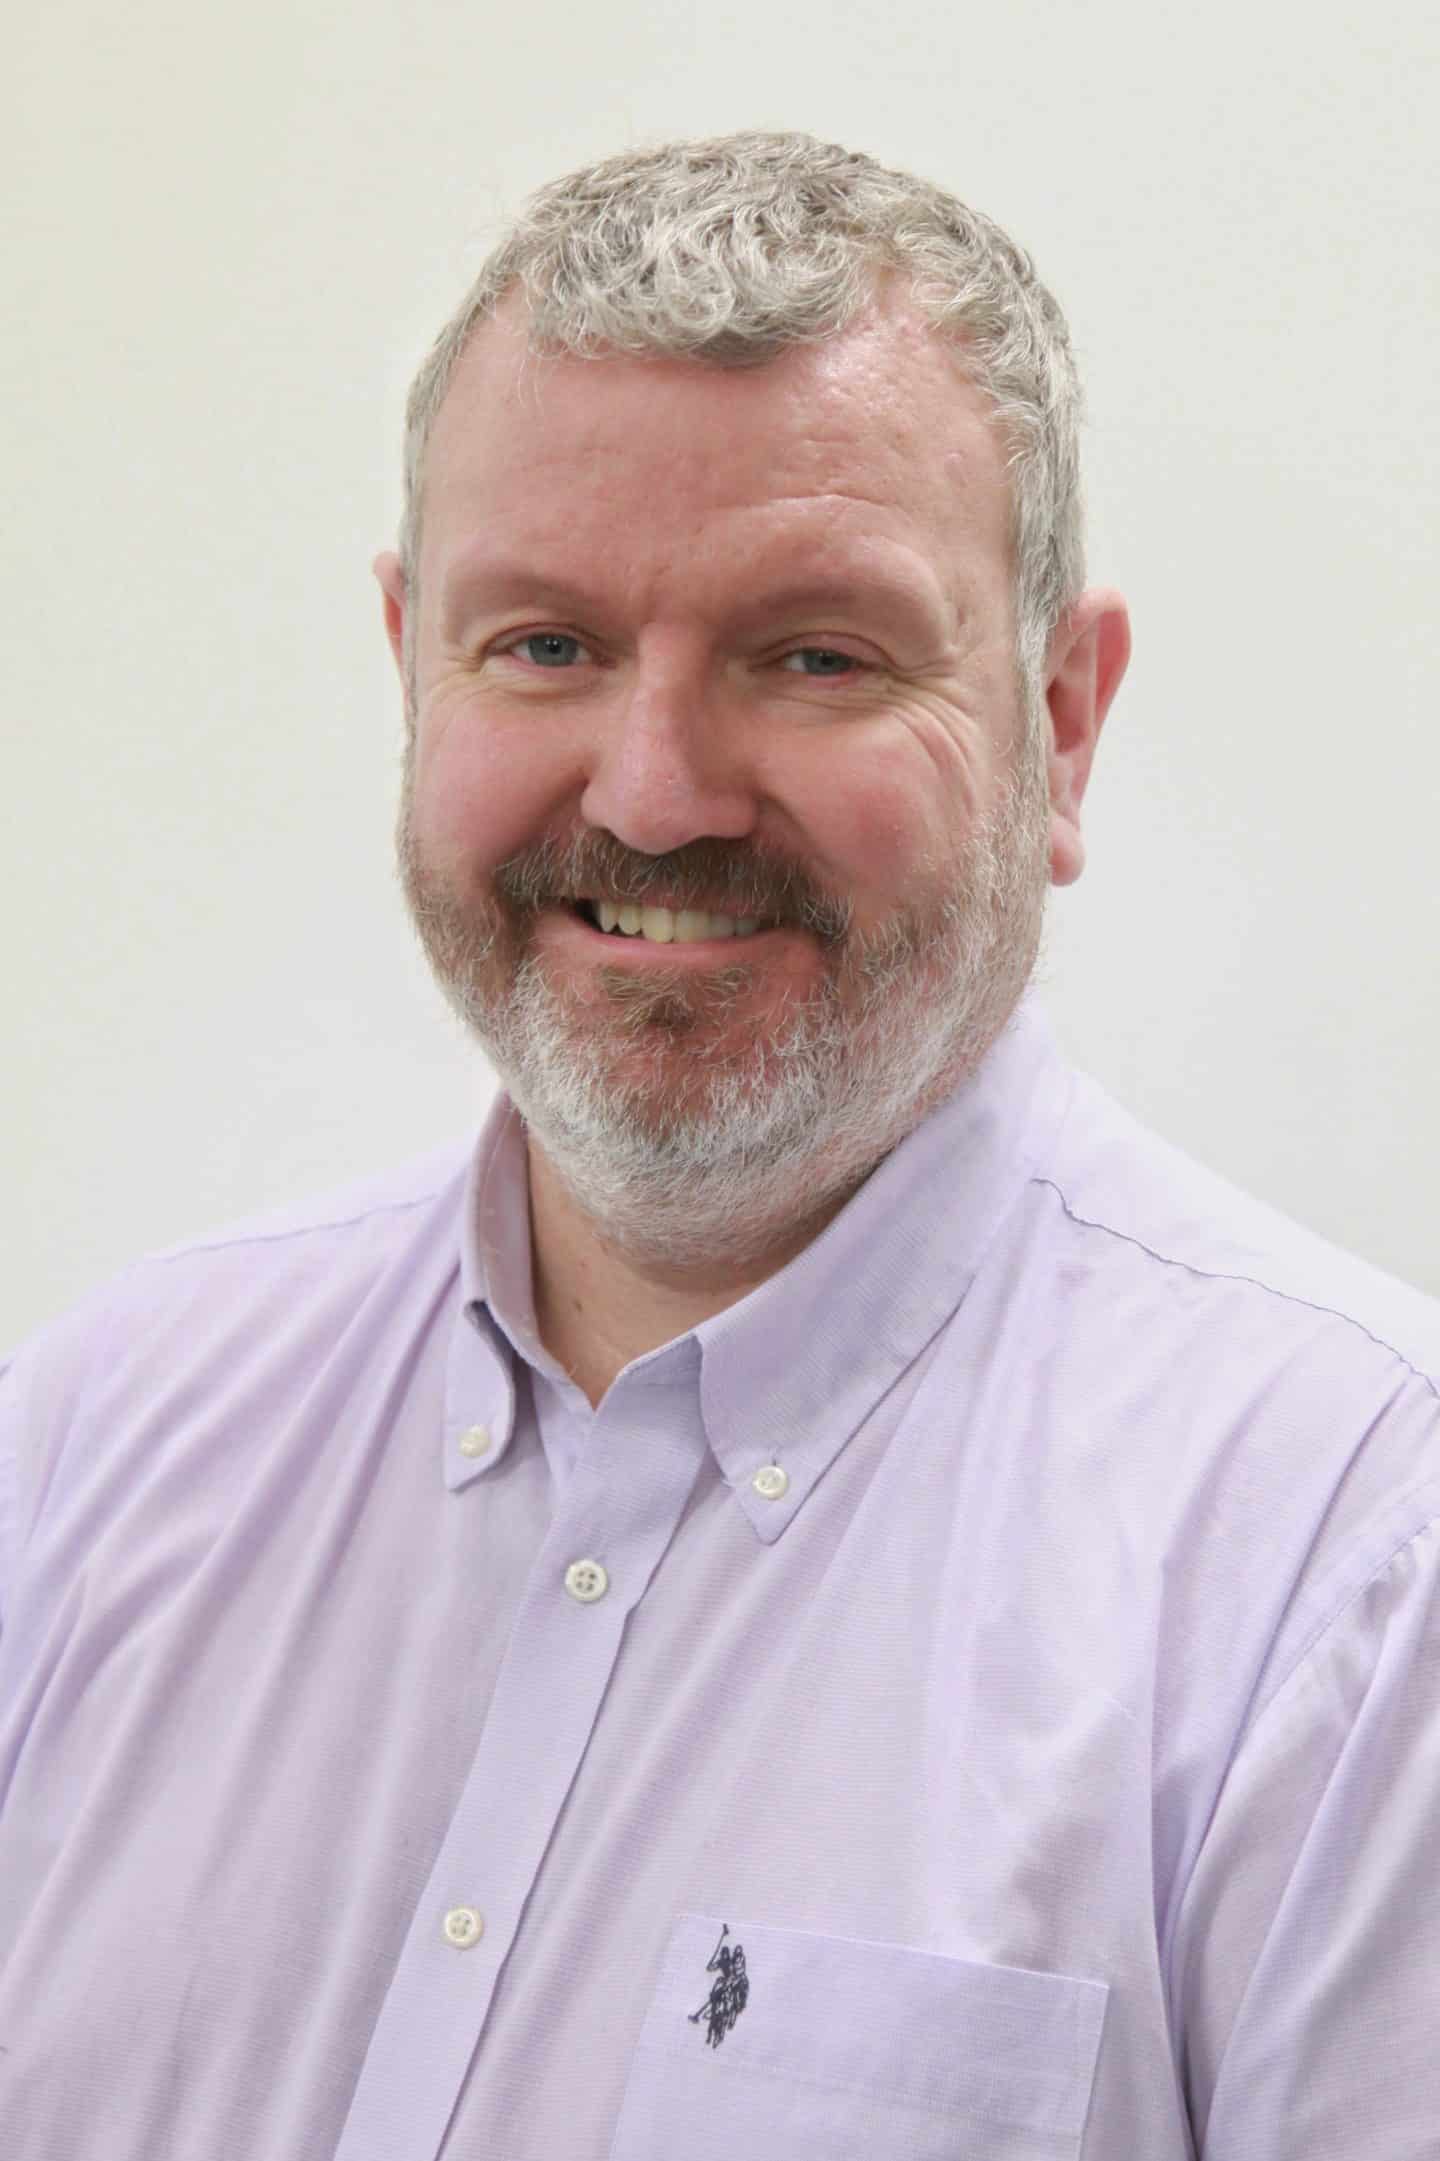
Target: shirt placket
[[617, 1515]]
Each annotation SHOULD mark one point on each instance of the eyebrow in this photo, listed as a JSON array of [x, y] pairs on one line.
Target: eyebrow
[[500, 583]]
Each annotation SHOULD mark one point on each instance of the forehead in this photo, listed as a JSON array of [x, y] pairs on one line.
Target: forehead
[[871, 440]]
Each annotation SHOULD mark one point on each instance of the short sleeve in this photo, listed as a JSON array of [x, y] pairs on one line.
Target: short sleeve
[[1309, 1939]]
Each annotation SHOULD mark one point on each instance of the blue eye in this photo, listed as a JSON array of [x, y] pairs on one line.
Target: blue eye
[[847, 661], [552, 648]]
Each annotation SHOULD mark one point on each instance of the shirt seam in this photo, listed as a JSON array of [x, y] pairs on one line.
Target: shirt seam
[[1315, 1639], [220, 1242], [1225, 1275]]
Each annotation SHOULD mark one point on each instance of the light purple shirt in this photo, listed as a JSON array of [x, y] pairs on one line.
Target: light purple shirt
[[978, 1696]]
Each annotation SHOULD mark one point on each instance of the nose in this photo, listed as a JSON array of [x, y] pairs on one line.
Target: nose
[[664, 770]]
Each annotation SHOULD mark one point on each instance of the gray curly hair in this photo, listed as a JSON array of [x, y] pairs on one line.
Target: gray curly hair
[[732, 249]]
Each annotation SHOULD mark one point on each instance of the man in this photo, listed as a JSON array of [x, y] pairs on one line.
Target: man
[[819, 1593]]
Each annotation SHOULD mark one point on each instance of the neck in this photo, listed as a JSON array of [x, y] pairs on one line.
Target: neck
[[598, 1305]]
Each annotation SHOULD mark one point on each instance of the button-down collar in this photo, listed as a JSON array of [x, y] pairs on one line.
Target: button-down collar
[[788, 1373]]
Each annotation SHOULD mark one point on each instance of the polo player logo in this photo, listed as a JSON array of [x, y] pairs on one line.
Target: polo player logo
[[729, 1992]]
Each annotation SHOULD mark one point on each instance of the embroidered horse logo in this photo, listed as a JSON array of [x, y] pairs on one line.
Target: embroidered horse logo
[[729, 1992]]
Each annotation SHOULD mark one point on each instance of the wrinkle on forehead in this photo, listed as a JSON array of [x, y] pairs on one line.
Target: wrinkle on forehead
[[872, 368], [875, 433]]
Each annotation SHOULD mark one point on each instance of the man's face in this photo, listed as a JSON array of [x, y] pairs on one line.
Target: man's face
[[730, 645]]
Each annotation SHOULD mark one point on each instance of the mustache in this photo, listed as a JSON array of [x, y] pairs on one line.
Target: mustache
[[706, 874]]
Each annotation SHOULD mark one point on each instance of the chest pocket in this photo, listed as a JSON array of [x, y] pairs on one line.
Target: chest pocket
[[764, 2042]]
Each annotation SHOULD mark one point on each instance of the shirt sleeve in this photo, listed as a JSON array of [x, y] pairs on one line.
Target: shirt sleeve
[[42, 1381], [1311, 1928], [9, 1480]]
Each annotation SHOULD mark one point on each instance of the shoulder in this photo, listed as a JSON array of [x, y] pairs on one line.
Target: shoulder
[[359, 1212], [230, 1304], [348, 1227], [1145, 1207], [1274, 1398]]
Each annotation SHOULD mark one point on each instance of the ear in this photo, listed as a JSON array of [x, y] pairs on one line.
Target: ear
[[1088, 656], [391, 579]]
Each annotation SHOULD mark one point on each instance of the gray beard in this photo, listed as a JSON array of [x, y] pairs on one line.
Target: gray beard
[[774, 1136]]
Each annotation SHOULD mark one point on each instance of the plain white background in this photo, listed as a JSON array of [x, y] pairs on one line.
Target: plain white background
[[233, 232]]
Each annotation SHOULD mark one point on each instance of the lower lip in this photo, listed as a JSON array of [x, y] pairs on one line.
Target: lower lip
[[641, 951]]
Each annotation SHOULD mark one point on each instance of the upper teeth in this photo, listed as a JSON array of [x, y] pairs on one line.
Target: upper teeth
[[685, 926]]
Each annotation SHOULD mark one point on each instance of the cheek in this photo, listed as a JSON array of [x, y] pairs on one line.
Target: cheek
[[481, 794], [877, 828]]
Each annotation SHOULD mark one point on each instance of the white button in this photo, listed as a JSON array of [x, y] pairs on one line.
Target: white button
[[771, 1483], [475, 1441], [463, 1926], [587, 1581]]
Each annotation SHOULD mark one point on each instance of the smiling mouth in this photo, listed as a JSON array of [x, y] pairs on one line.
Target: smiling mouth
[[666, 926]]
